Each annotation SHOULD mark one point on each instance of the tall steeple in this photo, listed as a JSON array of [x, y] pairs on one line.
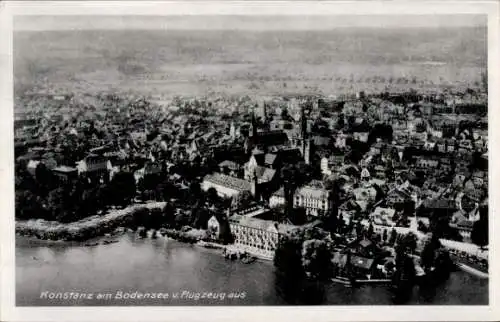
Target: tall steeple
[[307, 151], [254, 181], [266, 117], [305, 140], [232, 130], [264, 106], [253, 127], [303, 124]]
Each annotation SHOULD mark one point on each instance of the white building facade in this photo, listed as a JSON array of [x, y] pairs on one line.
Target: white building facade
[[313, 198], [255, 236]]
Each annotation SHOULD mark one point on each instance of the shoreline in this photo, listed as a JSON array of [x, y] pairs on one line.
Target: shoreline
[[113, 224], [29, 296], [90, 231], [85, 229], [27, 240], [473, 271]]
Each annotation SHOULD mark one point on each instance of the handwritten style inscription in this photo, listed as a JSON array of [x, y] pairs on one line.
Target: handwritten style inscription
[[136, 295]]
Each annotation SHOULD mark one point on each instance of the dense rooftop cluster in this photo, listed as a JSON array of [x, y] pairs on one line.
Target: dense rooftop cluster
[[369, 167]]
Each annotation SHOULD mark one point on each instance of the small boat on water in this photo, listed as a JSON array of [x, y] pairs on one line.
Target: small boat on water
[[39, 259], [107, 242], [208, 245], [342, 280], [228, 254], [90, 244], [248, 259]]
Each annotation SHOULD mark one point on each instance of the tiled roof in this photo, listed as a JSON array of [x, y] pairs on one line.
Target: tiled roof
[[270, 158], [339, 258], [321, 140], [290, 155], [400, 192], [439, 203], [479, 174], [280, 192], [284, 228], [259, 156], [349, 205], [262, 224], [465, 224], [270, 138], [33, 164], [365, 243], [228, 181], [362, 262], [230, 164], [459, 216], [362, 204], [377, 182], [312, 192], [364, 192], [94, 157], [382, 212], [152, 168], [64, 168], [267, 174], [250, 222]]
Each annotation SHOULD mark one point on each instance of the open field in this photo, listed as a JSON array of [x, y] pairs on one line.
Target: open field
[[248, 62]]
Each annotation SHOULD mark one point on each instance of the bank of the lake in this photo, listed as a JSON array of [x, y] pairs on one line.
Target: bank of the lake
[[167, 266], [87, 228]]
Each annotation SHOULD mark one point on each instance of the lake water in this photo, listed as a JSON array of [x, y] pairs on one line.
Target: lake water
[[169, 267]]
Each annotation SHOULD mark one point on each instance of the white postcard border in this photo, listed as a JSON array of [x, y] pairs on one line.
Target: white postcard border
[[9, 312]]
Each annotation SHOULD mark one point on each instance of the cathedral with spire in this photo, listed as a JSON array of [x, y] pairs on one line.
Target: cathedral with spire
[[263, 140], [302, 139]]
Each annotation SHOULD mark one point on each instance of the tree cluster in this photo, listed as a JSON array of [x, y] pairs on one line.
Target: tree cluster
[[303, 253], [479, 234], [45, 197]]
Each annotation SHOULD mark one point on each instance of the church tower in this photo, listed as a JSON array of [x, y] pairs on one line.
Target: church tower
[[252, 134], [307, 151], [255, 183], [253, 125], [305, 141], [232, 131], [303, 124], [267, 125]]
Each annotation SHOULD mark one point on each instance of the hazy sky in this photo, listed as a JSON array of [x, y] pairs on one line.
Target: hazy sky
[[243, 22]]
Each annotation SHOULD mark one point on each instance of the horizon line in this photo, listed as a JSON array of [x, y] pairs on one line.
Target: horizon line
[[242, 22], [252, 30]]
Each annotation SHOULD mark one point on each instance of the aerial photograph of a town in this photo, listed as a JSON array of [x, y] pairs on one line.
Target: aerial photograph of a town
[[251, 160]]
